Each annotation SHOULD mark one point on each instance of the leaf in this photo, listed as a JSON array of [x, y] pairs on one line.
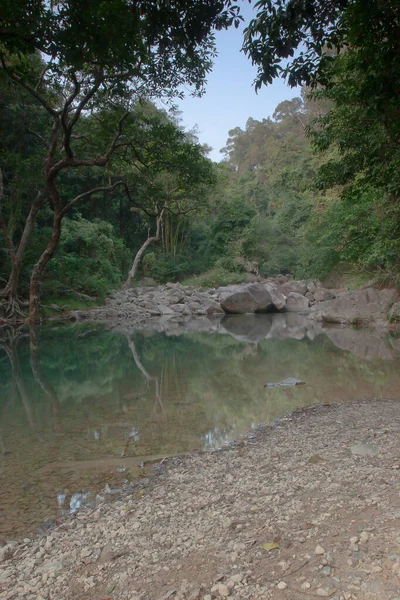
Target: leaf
[[268, 546]]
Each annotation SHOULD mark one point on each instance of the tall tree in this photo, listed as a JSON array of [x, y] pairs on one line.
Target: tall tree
[[98, 59]]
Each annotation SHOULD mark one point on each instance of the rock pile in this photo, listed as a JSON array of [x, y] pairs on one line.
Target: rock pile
[[177, 301]]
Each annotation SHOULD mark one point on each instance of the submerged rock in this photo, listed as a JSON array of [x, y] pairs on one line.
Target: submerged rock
[[288, 382]]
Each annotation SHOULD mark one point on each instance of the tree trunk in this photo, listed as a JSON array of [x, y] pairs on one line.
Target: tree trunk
[[9, 294], [38, 269], [17, 262], [138, 257]]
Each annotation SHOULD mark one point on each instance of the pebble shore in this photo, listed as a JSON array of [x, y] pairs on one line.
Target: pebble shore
[[306, 507]]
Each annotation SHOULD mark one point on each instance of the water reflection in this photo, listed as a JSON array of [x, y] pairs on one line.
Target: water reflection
[[82, 407]]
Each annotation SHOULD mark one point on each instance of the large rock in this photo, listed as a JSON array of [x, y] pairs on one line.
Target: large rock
[[247, 299], [362, 306], [298, 287], [296, 302], [278, 299], [394, 314], [213, 308], [321, 294]]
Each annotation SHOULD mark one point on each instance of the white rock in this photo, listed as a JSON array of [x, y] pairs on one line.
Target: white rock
[[354, 540], [305, 585], [322, 592], [364, 537], [319, 550], [282, 585]]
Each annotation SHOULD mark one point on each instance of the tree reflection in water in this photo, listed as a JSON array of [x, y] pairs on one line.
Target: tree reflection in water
[[82, 406]]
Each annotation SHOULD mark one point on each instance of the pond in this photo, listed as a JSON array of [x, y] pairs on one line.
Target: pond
[[81, 406]]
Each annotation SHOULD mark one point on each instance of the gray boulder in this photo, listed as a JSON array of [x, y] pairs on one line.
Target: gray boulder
[[247, 299], [296, 302], [278, 299], [321, 294], [361, 306], [394, 314], [213, 308], [299, 287], [312, 287]]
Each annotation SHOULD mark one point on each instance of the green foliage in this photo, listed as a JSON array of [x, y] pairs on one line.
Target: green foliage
[[273, 251], [90, 259], [216, 277]]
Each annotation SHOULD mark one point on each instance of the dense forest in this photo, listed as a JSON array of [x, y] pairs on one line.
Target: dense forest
[[99, 186]]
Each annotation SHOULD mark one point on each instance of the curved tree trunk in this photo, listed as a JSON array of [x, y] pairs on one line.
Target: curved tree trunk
[[9, 294], [141, 251], [38, 269]]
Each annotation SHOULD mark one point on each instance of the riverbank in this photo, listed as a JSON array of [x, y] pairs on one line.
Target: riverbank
[[320, 487]]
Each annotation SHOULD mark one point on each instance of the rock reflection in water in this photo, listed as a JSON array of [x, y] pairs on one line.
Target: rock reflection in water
[[80, 407]]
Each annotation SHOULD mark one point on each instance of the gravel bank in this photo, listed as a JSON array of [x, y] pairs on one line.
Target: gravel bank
[[321, 486]]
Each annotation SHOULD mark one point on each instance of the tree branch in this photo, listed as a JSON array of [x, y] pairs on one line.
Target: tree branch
[[94, 190], [30, 89]]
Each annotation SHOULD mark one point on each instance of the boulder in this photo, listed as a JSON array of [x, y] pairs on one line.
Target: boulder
[[299, 287], [312, 287], [296, 302], [361, 306], [310, 296], [247, 299], [394, 314], [164, 310], [278, 299], [321, 294], [213, 308]]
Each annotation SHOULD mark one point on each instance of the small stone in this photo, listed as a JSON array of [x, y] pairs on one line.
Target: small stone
[[220, 589], [326, 570], [364, 537], [305, 585], [319, 550], [237, 578], [353, 547], [354, 540], [363, 450], [282, 585], [377, 569], [322, 592], [207, 597]]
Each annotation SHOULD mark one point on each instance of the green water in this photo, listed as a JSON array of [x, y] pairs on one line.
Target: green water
[[78, 404]]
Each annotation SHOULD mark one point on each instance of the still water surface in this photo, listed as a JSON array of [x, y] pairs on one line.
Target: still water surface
[[79, 404]]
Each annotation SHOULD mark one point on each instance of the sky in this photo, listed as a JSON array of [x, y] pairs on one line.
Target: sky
[[230, 98]]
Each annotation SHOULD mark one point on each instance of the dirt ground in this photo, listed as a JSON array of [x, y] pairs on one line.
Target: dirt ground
[[307, 507]]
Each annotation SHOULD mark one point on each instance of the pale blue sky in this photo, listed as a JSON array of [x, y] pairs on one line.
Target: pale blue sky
[[230, 98]]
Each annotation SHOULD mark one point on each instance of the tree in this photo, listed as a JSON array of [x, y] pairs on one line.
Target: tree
[[97, 60], [312, 33], [169, 173]]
